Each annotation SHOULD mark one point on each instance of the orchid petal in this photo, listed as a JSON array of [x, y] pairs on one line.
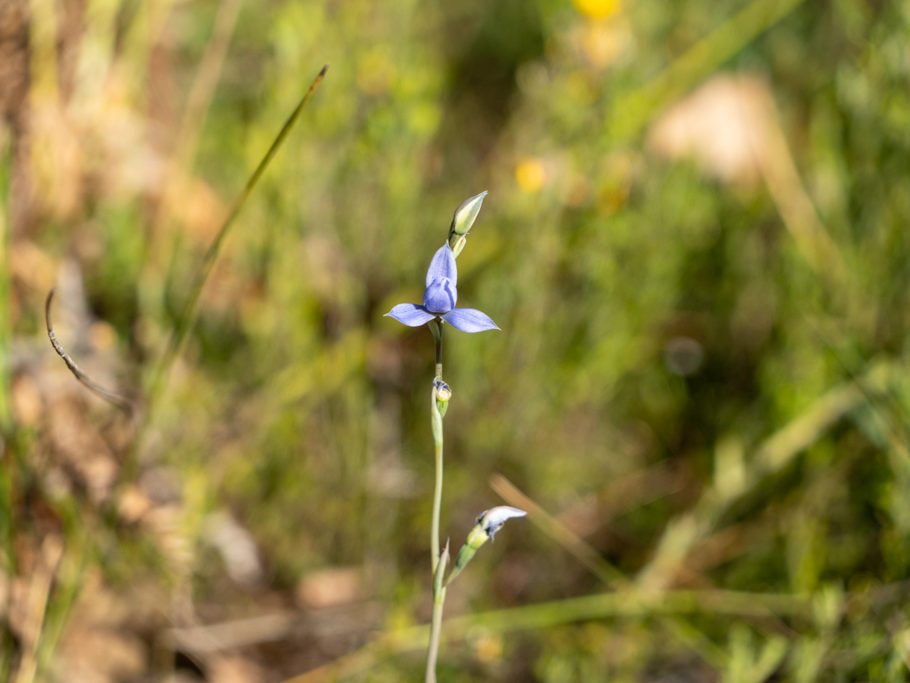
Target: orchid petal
[[411, 315], [469, 320], [443, 266], [440, 296]]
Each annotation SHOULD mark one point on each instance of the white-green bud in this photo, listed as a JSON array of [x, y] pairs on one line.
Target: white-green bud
[[492, 520], [464, 218], [485, 528], [442, 394]]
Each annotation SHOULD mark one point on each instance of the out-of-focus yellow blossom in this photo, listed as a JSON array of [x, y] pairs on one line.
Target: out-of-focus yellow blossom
[[598, 9], [530, 175], [488, 648], [602, 42]]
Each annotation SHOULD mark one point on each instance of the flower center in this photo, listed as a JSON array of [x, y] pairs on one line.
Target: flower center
[[440, 296]]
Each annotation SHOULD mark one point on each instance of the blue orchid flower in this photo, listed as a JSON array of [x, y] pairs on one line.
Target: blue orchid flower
[[440, 297]]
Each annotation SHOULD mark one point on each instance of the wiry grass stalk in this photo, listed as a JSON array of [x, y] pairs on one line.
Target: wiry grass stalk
[[183, 156], [188, 315]]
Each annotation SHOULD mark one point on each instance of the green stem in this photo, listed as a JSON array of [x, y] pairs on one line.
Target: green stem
[[439, 601], [437, 335], [437, 502], [439, 561], [436, 422], [188, 314], [160, 372]]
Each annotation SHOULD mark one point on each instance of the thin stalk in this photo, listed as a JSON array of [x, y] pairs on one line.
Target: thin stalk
[[439, 561], [437, 502], [436, 422], [437, 335], [439, 601], [86, 381], [188, 315], [160, 372]]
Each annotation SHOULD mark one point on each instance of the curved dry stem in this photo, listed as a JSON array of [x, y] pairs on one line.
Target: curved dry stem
[[111, 397]]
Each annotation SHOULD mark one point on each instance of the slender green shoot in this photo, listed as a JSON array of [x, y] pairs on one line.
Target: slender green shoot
[[188, 315], [439, 402], [439, 599], [436, 416]]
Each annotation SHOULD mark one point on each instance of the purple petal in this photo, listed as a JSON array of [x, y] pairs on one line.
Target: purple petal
[[469, 320], [443, 265], [411, 315], [440, 296]]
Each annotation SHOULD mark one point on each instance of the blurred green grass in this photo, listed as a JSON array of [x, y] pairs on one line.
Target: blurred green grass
[[700, 376]]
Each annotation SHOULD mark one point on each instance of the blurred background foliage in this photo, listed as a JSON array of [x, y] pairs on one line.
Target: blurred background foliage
[[695, 244]]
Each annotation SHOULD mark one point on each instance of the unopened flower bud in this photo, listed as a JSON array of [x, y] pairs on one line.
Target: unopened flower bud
[[464, 218], [442, 394], [443, 390], [492, 520], [485, 528]]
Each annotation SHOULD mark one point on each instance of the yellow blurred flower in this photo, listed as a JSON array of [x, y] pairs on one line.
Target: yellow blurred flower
[[530, 175], [597, 9], [602, 42], [488, 648]]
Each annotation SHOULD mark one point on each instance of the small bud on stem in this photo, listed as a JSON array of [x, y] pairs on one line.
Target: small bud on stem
[[464, 218], [442, 394], [485, 528]]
